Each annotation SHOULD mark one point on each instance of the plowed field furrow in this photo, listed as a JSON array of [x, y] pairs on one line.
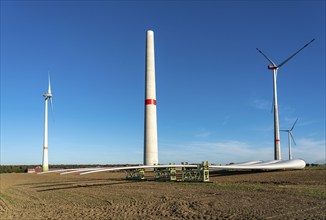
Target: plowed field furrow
[[265, 195]]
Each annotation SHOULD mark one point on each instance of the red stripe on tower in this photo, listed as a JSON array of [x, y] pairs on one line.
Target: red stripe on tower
[[150, 102], [277, 140]]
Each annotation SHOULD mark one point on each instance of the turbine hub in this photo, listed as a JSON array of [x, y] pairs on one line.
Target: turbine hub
[[47, 95]]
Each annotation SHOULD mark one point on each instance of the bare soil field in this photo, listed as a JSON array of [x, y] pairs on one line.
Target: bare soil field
[[298, 194]]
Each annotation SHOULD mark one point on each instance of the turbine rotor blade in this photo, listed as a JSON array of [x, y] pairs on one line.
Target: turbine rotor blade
[[292, 138], [51, 104], [52, 111], [269, 60], [285, 61], [49, 89], [294, 124]]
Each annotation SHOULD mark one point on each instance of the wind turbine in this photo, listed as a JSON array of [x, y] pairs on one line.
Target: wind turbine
[[290, 136], [47, 96], [274, 67]]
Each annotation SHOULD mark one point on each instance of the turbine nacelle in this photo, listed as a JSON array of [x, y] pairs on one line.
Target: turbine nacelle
[[272, 67]]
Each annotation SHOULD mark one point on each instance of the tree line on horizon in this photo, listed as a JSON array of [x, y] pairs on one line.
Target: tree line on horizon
[[24, 168]]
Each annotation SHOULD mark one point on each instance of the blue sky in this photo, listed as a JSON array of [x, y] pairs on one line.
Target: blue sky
[[214, 92]]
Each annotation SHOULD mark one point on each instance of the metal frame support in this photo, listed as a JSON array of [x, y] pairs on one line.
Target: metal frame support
[[138, 174], [201, 173], [205, 168], [165, 174], [161, 174], [173, 173], [190, 174]]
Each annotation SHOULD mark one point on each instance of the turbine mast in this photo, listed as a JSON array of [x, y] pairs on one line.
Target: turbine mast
[[290, 145], [150, 128], [277, 141], [45, 163]]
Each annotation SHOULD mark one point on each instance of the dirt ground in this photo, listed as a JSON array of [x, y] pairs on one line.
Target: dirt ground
[[298, 194]]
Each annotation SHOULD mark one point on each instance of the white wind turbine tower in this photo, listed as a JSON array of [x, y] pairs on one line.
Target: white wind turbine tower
[[150, 130], [290, 136], [274, 67], [47, 96]]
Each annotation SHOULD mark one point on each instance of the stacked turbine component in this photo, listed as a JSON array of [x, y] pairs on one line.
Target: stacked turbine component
[[150, 130], [274, 67], [47, 96]]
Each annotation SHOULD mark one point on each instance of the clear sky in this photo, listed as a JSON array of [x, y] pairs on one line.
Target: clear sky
[[214, 91]]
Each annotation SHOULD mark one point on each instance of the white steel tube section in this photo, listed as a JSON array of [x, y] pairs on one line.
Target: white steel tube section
[[277, 142], [45, 141], [150, 128]]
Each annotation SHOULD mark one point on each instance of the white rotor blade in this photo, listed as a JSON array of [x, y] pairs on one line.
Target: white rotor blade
[[51, 104], [269, 60], [294, 124], [292, 138], [49, 89], [52, 111], [50, 95], [285, 61]]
